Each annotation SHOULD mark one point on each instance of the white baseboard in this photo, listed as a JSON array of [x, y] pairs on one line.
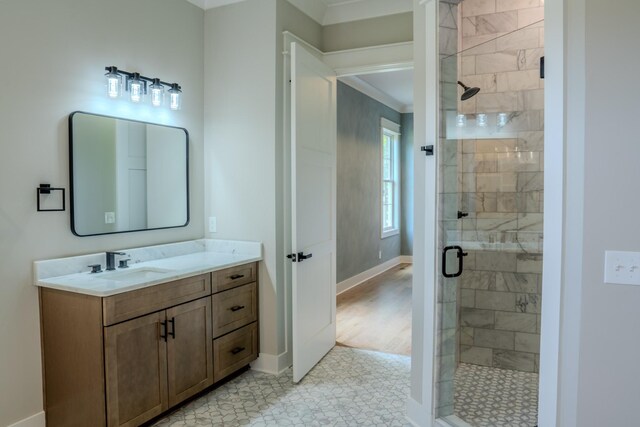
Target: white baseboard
[[452, 421], [271, 363], [37, 420], [417, 414], [371, 273]]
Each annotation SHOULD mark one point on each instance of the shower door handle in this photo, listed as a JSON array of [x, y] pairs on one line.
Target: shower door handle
[[460, 254]]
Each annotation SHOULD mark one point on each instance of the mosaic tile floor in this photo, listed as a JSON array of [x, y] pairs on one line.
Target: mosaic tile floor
[[349, 387], [496, 397]]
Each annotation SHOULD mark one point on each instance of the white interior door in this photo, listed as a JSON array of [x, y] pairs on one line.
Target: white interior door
[[313, 216]]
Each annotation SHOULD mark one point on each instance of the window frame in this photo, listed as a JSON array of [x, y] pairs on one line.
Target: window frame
[[389, 128]]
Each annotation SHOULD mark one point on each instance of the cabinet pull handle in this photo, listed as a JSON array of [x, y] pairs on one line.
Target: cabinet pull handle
[[236, 307], [236, 276], [173, 328], [163, 332], [237, 350]]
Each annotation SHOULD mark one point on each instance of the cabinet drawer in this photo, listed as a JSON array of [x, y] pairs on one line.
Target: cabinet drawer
[[235, 350], [234, 276], [121, 307], [234, 308]]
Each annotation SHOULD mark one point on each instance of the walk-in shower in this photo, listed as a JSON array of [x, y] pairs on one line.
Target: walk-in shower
[[490, 158]]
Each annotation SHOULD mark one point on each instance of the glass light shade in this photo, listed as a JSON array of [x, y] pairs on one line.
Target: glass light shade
[[481, 120], [136, 89], [157, 93], [114, 84], [175, 97], [503, 118], [461, 120]]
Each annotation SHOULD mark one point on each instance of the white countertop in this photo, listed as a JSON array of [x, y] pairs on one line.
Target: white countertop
[[148, 266]]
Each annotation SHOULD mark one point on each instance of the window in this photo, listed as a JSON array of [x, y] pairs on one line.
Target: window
[[390, 185]]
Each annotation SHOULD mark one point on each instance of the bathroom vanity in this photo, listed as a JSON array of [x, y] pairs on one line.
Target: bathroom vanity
[[122, 347]]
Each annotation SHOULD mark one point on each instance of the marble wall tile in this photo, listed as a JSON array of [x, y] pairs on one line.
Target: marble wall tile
[[502, 5], [468, 66], [478, 7], [467, 298], [496, 261], [497, 62], [486, 82], [528, 303], [526, 38], [507, 202], [495, 145], [515, 360], [488, 300], [486, 163], [533, 99], [518, 80], [494, 339], [531, 17], [448, 341], [449, 41], [469, 26], [475, 318], [497, 222], [468, 146], [478, 45], [449, 314], [530, 141], [529, 343], [473, 279], [476, 355], [470, 260], [445, 393], [518, 322], [529, 263], [529, 201], [530, 181], [532, 58], [486, 202], [502, 22], [492, 182], [466, 336], [530, 222], [518, 282], [518, 162], [448, 16], [541, 37], [497, 102], [469, 182], [536, 363]]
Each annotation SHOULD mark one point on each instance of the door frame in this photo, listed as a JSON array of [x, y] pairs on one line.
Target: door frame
[[563, 197]]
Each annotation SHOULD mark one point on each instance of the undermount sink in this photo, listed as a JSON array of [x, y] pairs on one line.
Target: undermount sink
[[145, 273]]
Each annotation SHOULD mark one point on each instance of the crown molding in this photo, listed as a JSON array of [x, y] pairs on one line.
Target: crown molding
[[372, 92], [210, 4]]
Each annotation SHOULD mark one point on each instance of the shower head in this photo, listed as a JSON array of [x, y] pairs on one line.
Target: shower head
[[469, 92]]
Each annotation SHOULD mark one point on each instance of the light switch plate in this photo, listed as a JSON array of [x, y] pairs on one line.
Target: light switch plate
[[109, 217], [622, 268], [213, 224]]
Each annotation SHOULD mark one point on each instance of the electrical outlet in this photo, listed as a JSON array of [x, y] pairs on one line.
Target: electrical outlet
[[379, 254], [109, 217], [622, 268], [213, 224]]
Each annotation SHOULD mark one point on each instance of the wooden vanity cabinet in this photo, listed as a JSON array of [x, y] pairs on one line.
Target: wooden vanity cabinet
[[124, 359], [156, 361]]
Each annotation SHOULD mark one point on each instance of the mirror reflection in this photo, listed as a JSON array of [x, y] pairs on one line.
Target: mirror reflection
[[126, 175]]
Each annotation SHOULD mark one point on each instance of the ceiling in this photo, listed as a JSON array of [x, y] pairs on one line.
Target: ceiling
[[328, 12], [392, 88]]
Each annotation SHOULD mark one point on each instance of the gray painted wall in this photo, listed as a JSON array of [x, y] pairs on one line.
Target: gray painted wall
[[358, 227], [53, 55], [406, 180], [368, 32]]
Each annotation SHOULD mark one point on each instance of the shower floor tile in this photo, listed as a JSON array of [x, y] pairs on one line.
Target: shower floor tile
[[495, 397]]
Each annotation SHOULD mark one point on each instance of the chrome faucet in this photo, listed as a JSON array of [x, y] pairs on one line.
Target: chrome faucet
[[111, 260]]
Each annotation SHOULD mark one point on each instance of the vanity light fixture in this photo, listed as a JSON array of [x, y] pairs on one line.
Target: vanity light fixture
[[138, 86]]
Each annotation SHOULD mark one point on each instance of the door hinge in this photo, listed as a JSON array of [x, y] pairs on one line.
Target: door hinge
[[428, 150], [292, 257]]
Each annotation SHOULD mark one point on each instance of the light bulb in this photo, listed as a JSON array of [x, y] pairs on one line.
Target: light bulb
[[157, 93], [461, 120], [114, 82], [482, 120], [175, 97], [136, 89]]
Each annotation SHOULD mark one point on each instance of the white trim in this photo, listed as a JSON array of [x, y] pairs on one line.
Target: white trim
[[452, 421], [417, 414], [271, 363], [37, 420], [372, 59], [388, 124], [314, 9], [360, 278], [390, 129]]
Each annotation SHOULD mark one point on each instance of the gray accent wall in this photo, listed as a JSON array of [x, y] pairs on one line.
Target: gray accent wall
[[406, 180], [358, 204]]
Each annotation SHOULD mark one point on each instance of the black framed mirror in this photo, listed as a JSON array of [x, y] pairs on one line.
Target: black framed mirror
[[126, 175]]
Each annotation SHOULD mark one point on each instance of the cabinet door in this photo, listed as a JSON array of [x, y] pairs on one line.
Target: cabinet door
[[190, 364], [136, 370]]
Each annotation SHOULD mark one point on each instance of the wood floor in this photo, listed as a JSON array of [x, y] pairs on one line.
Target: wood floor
[[376, 315]]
